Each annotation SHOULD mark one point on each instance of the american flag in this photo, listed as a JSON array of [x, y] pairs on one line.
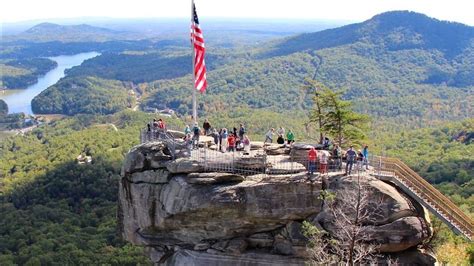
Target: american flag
[[197, 40]]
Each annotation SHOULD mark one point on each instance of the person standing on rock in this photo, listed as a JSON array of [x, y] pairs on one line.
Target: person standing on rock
[[196, 133], [365, 152], [269, 136], [224, 136], [207, 127], [312, 155], [215, 135], [290, 137], [187, 130], [281, 135], [351, 156], [231, 139], [323, 162], [246, 142], [241, 131], [360, 160]]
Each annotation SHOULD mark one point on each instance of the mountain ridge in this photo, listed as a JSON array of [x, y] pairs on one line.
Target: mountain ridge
[[426, 32]]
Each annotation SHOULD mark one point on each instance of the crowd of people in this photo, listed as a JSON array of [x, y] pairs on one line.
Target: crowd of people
[[290, 136], [354, 159], [238, 140], [226, 140]]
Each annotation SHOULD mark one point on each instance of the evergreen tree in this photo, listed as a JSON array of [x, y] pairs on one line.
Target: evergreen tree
[[334, 116], [321, 98], [342, 122]]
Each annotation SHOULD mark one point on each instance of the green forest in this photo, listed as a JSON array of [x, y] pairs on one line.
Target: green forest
[[20, 73], [89, 95], [56, 211]]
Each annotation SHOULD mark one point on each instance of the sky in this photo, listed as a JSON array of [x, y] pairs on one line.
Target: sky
[[347, 10]]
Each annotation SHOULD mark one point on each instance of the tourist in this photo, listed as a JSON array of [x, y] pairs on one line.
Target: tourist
[[220, 139], [148, 127], [281, 132], [360, 159], [326, 143], [312, 155], [155, 123], [323, 162], [242, 131], [365, 152], [187, 130], [188, 139], [350, 158], [246, 142], [207, 127], [281, 136], [231, 140], [337, 156], [290, 137], [196, 133], [224, 136], [269, 136], [161, 124], [215, 135]]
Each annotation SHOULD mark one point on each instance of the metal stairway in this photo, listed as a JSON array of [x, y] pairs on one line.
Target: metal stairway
[[394, 170]]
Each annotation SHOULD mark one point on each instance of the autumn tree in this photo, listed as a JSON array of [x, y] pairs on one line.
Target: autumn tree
[[350, 211]]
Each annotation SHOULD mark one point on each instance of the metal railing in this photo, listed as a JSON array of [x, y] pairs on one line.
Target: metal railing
[[429, 196], [260, 163]]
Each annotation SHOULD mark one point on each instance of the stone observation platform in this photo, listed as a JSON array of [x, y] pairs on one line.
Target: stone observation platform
[[204, 207]]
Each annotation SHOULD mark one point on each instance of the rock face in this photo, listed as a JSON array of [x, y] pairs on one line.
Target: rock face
[[170, 203]]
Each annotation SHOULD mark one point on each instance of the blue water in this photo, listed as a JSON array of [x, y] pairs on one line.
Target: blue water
[[20, 100]]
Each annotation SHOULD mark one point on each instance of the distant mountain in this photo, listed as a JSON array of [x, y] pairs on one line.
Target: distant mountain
[[45, 32], [395, 30]]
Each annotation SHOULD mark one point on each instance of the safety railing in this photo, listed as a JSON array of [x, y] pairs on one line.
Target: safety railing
[[258, 162], [434, 200]]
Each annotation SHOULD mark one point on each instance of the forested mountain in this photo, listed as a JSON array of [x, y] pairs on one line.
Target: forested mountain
[[394, 30], [398, 65], [88, 95]]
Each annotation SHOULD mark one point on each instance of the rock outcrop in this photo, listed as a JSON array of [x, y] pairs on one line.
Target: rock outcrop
[[185, 214]]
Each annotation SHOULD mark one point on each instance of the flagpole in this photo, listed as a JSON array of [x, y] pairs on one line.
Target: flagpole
[[193, 58]]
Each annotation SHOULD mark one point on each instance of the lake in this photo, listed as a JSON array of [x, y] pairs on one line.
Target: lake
[[20, 100]]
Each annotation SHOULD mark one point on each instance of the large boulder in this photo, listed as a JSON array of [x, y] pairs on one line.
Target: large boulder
[[212, 208], [182, 212], [389, 218]]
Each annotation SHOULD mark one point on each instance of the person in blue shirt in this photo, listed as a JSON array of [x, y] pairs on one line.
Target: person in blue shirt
[[365, 152]]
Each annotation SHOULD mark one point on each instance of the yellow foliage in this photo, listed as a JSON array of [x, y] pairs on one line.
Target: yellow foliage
[[452, 254]]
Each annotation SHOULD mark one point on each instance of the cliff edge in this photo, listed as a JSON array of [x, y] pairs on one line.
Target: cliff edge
[[187, 213]]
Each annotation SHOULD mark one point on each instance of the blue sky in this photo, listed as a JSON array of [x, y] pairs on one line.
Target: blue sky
[[347, 10]]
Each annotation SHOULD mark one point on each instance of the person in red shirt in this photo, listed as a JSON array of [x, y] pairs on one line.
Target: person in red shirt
[[231, 142], [312, 155], [161, 124]]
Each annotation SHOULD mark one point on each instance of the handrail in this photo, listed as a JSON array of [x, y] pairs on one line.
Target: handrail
[[427, 193]]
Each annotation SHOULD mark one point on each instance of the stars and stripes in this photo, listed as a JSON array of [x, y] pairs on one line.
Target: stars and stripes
[[197, 40]]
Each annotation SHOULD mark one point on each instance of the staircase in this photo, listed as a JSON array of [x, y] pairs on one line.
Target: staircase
[[394, 170]]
